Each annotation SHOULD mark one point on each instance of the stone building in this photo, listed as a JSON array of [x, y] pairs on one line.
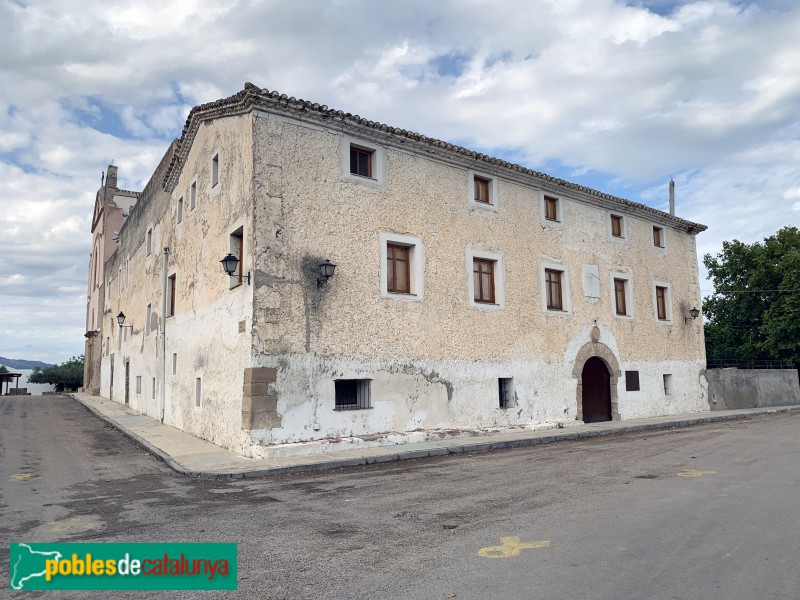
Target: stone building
[[469, 293], [111, 207]]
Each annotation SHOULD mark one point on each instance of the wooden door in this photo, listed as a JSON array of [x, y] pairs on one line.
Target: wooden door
[[596, 394]]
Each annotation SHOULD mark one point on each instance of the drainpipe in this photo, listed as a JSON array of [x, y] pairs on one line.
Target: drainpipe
[[164, 258], [671, 197]]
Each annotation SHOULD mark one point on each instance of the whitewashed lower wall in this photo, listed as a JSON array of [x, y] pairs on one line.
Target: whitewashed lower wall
[[414, 396]]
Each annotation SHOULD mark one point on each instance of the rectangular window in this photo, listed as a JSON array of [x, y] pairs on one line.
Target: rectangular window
[[193, 195], [631, 381], [398, 272], [361, 161], [658, 237], [171, 295], [237, 249], [180, 209], [482, 190], [147, 319], [619, 296], [661, 303], [505, 387], [215, 170], [174, 363], [198, 390], [552, 280], [667, 384], [154, 388], [352, 394], [483, 280], [551, 208], [138, 384], [149, 241], [616, 226]]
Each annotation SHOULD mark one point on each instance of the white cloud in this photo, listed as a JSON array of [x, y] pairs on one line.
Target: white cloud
[[705, 91]]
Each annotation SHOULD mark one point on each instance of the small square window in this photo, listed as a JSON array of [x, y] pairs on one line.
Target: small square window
[[398, 269], [351, 394], [506, 391], [482, 187], [661, 302], [632, 381], [555, 298], [551, 208], [193, 195], [658, 237], [215, 170], [171, 295], [483, 280], [616, 226], [667, 384], [180, 210], [361, 161], [620, 293]]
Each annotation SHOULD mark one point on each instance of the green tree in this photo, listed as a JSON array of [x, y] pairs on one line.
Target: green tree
[[67, 375], [3, 369], [755, 309]]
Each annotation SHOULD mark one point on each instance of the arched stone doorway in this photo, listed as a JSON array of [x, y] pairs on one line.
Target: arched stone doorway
[[603, 354], [595, 391]]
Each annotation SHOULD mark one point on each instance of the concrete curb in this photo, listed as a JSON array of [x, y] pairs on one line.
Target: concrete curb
[[440, 448], [157, 452]]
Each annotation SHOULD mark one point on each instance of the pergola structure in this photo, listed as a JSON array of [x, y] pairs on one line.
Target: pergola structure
[[5, 382]]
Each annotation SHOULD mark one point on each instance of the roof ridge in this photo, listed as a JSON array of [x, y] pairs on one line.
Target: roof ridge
[[250, 95]]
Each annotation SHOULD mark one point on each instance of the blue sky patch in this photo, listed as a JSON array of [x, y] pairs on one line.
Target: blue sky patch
[[100, 116], [450, 65]]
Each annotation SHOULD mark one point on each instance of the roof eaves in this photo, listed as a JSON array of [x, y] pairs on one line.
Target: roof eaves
[[254, 97]]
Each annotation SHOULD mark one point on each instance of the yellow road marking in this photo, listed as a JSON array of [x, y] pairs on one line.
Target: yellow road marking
[[510, 546], [693, 473], [73, 523], [21, 477]]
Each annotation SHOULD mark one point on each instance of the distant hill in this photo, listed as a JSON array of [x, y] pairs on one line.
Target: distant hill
[[15, 363]]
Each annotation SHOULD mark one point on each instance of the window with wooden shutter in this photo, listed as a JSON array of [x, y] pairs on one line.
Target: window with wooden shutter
[[555, 300], [483, 280]]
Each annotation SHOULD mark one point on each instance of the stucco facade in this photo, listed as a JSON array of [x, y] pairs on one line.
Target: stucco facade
[[254, 366]]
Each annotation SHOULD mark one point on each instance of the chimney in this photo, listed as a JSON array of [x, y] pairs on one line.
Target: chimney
[[111, 177], [671, 194]]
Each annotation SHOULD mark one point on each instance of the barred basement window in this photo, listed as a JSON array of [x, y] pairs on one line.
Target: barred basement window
[[505, 386], [352, 394]]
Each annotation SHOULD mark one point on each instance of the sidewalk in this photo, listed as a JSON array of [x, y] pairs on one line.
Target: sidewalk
[[192, 456]]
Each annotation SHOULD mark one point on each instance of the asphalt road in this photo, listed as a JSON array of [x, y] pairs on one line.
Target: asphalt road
[[708, 512]]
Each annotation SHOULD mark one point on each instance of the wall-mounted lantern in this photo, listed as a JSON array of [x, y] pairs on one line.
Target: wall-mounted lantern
[[694, 313], [121, 320], [229, 264], [326, 271]]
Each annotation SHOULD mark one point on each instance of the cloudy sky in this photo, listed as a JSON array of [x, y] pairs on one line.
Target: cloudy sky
[[616, 95]]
